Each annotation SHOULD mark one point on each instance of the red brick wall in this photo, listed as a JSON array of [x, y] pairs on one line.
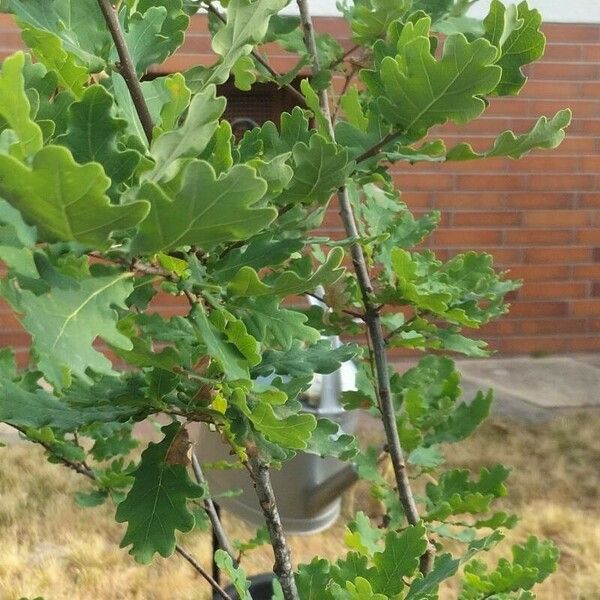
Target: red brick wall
[[539, 216]]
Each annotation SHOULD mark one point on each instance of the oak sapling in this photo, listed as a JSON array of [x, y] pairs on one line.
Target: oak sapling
[[116, 187]]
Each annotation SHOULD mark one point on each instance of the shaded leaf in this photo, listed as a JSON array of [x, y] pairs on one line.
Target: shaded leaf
[[205, 211], [64, 200], [545, 134], [156, 505]]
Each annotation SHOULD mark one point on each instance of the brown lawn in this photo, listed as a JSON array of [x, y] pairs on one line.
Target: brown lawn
[[50, 547]]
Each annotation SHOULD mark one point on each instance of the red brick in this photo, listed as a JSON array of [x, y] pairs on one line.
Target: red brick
[[590, 51], [585, 308], [558, 255], [586, 272], [467, 237], [541, 272], [538, 237], [539, 309], [557, 218], [417, 199], [544, 164], [575, 32], [554, 290], [491, 182], [591, 200], [584, 344], [588, 236], [589, 164], [580, 108], [549, 89], [486, 218], [566, 52], [577, 145], [564, 71], [468, 200], [527, 200], [533, 344], [552, 182], [425, 182]]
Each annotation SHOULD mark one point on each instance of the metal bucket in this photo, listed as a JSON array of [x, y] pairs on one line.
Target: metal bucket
[[307, 487]]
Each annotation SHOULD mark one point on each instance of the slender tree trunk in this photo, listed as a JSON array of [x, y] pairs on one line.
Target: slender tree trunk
[[283, 561], [371, 317]]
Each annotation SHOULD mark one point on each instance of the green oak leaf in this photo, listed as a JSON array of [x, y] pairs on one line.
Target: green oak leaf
[[547, 134], [78, 24], [235, 573], [456, 494], [178, 99], [399, 559], [313, 578], [293, 431], [205, 211], [154, 31], [321, 168], [444, 567], [246, 26], [269, 141], [156, 505], [48, 49], [49, 106], [81, 406], [464, 420], [268, 322], [362, 537], [327, 439], [247, 282], [219, 346], [192, 137], [299, 361], [531, 563], [263, 250], [65, 323], [519, 42], [15, 108], [64, 200], [371, 19], [244, 73], [17, 241], [93, 133], [416, 91]]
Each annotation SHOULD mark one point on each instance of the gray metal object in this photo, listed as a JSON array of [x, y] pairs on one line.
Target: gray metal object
[[308, 487]]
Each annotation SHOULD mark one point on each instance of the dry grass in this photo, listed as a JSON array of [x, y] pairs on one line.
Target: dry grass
[[52, 548]]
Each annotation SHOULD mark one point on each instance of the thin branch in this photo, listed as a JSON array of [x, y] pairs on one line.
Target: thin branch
[[376, 148], [78, 467], [127, 68], [261, 478], [260, 59], [202, 572], [211, 511], [344, 56], [351, 313], [347, 82], [373, 322], [86, 472]]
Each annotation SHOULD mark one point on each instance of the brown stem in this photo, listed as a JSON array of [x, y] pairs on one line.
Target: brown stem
[[344, 56], [373, 322], [290, 88], [86, 472], [211, 511], [261, 478], [127, 69], [376, 148], [202, 572]]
